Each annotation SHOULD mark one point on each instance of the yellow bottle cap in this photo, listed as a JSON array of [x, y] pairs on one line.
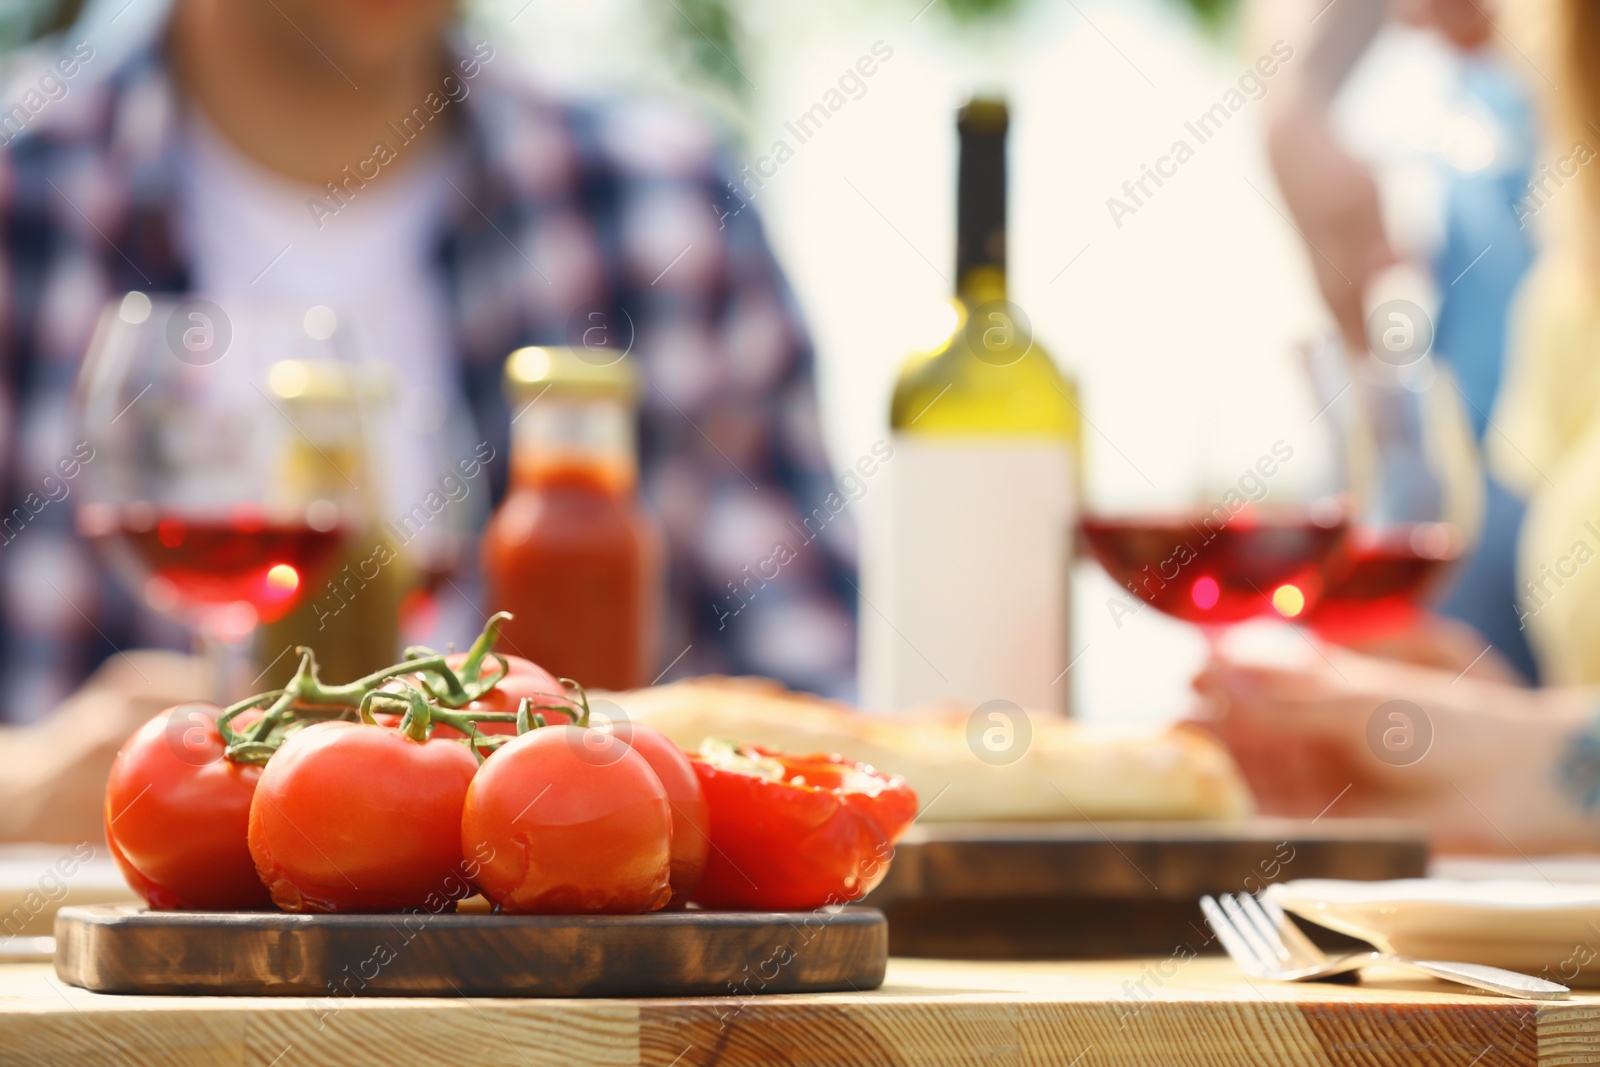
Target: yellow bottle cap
[[591, 371]]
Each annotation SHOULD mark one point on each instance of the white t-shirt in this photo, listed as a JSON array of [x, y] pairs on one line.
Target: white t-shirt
[[252, 239]]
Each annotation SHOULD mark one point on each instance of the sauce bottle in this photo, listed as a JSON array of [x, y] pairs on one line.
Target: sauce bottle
[[571, 552]]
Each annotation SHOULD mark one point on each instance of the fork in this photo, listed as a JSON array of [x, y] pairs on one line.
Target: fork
[[1266, 944]]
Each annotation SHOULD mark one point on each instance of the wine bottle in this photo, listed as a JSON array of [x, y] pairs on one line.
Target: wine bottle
[[966, 563]]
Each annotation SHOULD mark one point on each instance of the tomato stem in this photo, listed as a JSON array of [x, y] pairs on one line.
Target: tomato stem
[[474, 742], [225, 720], [473, 664], [418, 719], [583, 701], [423, 684]]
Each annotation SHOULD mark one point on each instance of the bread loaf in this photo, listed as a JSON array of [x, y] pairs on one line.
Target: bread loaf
[[1067, 770]]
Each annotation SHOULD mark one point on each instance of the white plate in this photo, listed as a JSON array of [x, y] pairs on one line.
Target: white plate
[[1539, 928]]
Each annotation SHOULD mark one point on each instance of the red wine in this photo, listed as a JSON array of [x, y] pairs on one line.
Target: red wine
[[207, 562], [1373, 581], [1203, 571]]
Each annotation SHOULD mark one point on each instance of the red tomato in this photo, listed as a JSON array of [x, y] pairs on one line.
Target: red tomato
[[351, 817], [523, 678], [798, 832], [576, 823], [176, 811], [691, 838]]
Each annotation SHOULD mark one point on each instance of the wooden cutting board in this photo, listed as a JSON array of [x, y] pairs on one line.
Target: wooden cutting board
[[1082, 890], [126, 949]]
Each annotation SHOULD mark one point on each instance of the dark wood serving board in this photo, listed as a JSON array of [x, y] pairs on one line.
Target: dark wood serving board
[[1081, 890], [126, 949]]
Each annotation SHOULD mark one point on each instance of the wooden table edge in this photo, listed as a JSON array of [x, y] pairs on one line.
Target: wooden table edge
[[1126, 1011]]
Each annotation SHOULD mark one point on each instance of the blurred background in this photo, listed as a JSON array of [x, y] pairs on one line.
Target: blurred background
[[1206, 289]]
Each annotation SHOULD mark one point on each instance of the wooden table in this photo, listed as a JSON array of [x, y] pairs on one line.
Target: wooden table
[[1150, 1013]]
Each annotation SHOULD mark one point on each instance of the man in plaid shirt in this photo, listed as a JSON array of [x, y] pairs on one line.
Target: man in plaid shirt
[[137, 172]]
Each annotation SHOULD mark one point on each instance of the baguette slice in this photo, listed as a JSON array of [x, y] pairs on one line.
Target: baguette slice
[[1069, 770]]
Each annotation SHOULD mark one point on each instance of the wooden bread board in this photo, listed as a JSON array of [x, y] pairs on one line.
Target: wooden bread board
[[127, 949], [1079, 890]]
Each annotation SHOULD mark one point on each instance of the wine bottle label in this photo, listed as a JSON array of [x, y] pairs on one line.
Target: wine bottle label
[[966, 557]]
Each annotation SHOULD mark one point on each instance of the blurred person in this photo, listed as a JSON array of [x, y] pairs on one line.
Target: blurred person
[[1484, 254], [1488, 766], [376, 158]]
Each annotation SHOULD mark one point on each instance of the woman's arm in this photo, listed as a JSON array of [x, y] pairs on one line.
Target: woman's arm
[[1487, 767], [1331, 194]]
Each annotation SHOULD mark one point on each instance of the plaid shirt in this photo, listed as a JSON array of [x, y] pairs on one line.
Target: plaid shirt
[[623, 208]]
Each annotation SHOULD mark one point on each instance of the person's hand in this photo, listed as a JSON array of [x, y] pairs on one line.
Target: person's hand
[[1298, 731], [1446, 644], [1342, 734], [53, 772], [1334, 201]]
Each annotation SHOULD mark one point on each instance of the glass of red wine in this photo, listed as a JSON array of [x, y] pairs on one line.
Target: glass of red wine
[[1414, 466], [1213, 500], [230, 454]]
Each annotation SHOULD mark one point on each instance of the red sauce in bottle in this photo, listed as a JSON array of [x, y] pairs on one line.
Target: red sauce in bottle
[[571, 552]]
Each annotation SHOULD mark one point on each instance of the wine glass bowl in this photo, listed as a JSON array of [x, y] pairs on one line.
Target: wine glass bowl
[[1388, 494], [1413, 463], [1212, 500], [230, 455], [1375, 581], [1213, 568], [245, 565]]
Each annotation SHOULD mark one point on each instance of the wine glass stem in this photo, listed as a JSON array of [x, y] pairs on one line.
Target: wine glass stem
[[228, 659]]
